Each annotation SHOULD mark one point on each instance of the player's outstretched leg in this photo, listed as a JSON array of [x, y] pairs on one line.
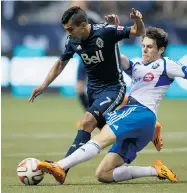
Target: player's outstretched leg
[[54, 169], [157, 139], [163, 172], [124, 173]]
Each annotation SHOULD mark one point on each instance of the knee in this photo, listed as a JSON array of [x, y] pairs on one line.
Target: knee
[[88, 122], [102, 176], [99, 174]]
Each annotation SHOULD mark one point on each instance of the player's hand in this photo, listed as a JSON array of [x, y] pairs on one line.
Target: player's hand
[[112, 19], [135, 14], [36, 92]]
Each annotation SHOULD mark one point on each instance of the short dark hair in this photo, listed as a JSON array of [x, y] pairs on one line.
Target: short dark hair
[[157, 34], [76, 14]]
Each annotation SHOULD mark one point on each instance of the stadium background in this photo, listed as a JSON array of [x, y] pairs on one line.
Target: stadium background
[[32, 39]]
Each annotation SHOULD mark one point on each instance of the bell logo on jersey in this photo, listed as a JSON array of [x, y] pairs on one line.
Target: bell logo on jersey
[[148, 77], [93, 59]]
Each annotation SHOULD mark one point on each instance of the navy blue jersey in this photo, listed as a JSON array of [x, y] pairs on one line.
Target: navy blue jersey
[[100, 54]]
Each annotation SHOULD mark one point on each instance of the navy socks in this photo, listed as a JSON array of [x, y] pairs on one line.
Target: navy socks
[[81, 138]]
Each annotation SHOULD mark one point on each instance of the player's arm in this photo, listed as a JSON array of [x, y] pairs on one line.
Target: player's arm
[[138, 29], [124, 62], [176, 69], [127, 65], [54, 72], [117, 33]]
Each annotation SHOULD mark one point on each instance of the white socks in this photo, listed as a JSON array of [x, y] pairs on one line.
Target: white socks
[[123, 173], [84, 153]]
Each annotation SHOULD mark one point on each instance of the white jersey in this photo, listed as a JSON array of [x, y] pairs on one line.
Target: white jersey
[[150, 81]]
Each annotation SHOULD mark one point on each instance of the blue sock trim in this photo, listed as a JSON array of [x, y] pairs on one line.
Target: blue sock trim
[[81, 138], [95, 144]]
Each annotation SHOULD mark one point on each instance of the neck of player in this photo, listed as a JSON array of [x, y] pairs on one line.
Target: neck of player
[[87, 32]]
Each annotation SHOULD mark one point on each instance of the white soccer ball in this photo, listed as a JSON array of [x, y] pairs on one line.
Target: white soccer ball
[[28, 172]]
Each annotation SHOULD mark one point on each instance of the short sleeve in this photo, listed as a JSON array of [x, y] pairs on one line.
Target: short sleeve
[[129, 70], [68, 51], [175, 69], [117, 32]]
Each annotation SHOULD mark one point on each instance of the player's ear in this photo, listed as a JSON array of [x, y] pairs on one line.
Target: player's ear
[[161, 50], [83, 24]]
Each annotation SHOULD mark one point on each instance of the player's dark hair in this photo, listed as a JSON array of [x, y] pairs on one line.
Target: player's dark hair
[[157, 34], [76, 14]]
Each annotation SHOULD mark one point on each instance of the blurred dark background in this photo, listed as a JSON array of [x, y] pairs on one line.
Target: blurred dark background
[[37, 23], [32, 39]]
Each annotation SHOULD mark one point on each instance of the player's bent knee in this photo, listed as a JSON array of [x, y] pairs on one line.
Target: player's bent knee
[[102, 176], [88, 122], [99, 175]]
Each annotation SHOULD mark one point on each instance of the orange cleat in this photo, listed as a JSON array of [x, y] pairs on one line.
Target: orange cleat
[[163, 172], [157, 139], [54, 169]]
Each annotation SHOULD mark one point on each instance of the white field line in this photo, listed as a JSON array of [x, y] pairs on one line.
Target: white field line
[[176, 136], [146, 151]]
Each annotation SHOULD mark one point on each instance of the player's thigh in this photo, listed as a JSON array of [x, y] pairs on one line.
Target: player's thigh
[[106, 101], [109, 162], [126, 149]]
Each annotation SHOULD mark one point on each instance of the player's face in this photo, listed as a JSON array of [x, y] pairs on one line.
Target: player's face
[[150, 51], [74, 31]]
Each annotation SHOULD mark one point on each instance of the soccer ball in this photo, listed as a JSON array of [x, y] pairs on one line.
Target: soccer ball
[[28, 172]]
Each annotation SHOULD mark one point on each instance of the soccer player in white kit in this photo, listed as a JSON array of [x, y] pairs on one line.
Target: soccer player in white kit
[[130, 128]]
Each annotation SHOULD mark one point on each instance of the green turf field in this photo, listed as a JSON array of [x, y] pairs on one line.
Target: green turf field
[[46, 128]]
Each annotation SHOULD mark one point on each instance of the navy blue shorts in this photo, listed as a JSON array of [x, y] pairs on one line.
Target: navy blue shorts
[[133, 126], [104, 101], [81, 72]]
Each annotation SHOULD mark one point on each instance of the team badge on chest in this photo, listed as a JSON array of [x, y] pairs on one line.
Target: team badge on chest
[[155, 65], [100, 43]]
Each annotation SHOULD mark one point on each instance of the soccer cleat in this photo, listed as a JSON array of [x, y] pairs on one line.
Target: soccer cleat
[[163, 172], [54, 169], [157, 139]]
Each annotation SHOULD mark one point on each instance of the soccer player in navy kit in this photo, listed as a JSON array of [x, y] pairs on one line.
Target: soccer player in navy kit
[[97, 45]]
